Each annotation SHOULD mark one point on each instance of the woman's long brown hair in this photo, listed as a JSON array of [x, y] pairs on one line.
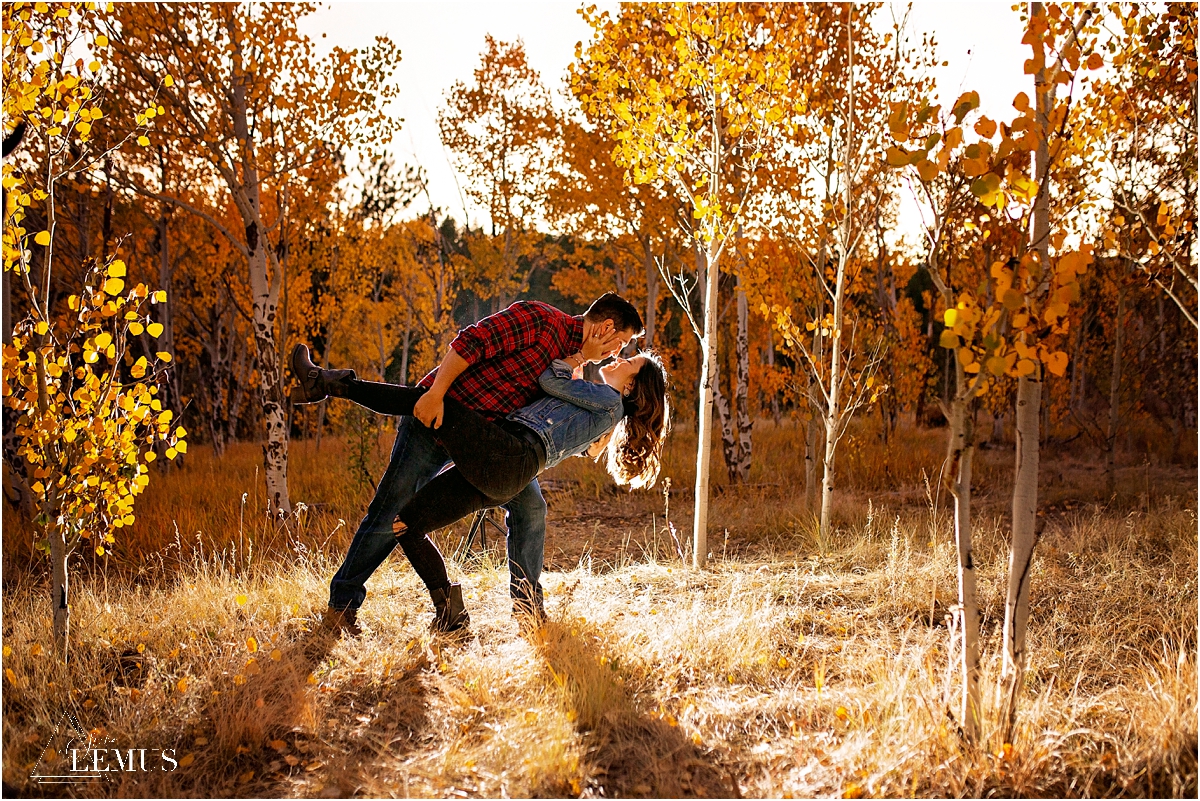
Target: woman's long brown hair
[[635, 450]]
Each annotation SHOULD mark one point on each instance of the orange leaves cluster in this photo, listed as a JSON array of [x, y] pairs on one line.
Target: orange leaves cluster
[[85, 410], [993, 336]]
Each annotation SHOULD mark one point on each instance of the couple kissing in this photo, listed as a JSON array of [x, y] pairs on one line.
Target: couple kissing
[[504, 405]]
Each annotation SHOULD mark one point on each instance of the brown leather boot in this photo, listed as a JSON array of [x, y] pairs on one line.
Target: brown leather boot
[[451, 614], [336, 621], [312, 383]]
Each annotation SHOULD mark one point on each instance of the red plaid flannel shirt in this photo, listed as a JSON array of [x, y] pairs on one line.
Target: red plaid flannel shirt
[[507, 351]]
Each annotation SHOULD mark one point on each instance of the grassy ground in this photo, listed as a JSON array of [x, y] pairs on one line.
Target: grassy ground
[[793, 667]]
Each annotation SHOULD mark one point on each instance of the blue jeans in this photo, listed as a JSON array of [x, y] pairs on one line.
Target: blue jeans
[[416, 459]]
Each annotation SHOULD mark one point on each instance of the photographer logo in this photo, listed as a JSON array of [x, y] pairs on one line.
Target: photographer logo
[[75, 755]]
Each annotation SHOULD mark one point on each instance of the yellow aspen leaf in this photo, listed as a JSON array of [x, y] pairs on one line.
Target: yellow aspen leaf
[[186, 760], [36, 649], [116, 269], [241, 599], [42, 238], [182, 685], [101, 41], [951, 317], [1056, 363], [103, 340], [997, 365], [136, 329], [12, 677], [168, 81], [154, 329], [948, 339], [144, 141], [160, 296], [276, 654], [1025, 367], [163, 356], [41, 327], [181, 446], [99, 550], [251, 644], [113, 286]]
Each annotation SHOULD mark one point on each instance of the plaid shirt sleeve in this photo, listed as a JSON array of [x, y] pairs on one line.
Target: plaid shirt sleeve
[[520, 326]]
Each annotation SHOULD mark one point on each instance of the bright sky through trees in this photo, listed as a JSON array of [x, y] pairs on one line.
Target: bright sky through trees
[[441, 43]]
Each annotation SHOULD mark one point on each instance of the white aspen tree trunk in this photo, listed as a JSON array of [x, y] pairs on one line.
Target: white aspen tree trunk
[[708, 350], [1028, 414], [59, 581], [833, 405], [816, 422], [1114, 397], [960, 457], [741, 396], [708, 372], [651, 293], [812, 442], [1024, 536], [833, 395], [725, 421], [264, 291]]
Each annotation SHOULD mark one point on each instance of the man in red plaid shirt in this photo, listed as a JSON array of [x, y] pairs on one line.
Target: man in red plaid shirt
[[493, 368]]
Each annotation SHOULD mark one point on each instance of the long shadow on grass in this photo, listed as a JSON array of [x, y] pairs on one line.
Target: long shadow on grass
[[629, 752], [260, 726]]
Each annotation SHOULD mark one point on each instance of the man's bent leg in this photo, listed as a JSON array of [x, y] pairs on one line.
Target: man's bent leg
[[416, 458], [526, 546]]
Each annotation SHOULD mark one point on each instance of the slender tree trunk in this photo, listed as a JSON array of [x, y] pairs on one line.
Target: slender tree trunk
[[1024, 537], [708, 372], [833, 416], [651, 292], [742, 392], [960, 457], [812, 445], [407, 342], [776, 413], [264, 291], [1114, 396], [1029, 399], [61, 627], [724, 420]]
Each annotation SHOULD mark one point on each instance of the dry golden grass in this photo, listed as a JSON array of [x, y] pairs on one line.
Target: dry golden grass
[[790, 668]]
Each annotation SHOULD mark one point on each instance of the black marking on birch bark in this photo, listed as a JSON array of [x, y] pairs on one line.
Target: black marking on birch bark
[[62, 596], [252, 236], [970, 564]]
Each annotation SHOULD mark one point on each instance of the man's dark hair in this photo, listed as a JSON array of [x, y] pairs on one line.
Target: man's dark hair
[[611, 306]]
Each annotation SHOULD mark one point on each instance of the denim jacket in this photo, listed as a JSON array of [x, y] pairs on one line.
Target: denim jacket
[[573, 416]]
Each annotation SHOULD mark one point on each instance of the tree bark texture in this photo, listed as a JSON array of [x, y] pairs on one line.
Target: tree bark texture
[[745, 424], [708, 371], [1024, 537], [959, 460]]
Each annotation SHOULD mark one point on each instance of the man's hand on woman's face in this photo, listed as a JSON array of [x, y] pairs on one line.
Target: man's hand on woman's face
[[601, 344]]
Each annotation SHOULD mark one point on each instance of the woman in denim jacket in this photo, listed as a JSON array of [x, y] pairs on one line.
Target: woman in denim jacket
[[626, 418]]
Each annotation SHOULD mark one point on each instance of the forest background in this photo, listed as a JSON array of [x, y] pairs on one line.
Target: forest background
[[193, 189]]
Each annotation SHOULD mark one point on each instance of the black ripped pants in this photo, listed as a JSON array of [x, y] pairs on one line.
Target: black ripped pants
[[493, 461]]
